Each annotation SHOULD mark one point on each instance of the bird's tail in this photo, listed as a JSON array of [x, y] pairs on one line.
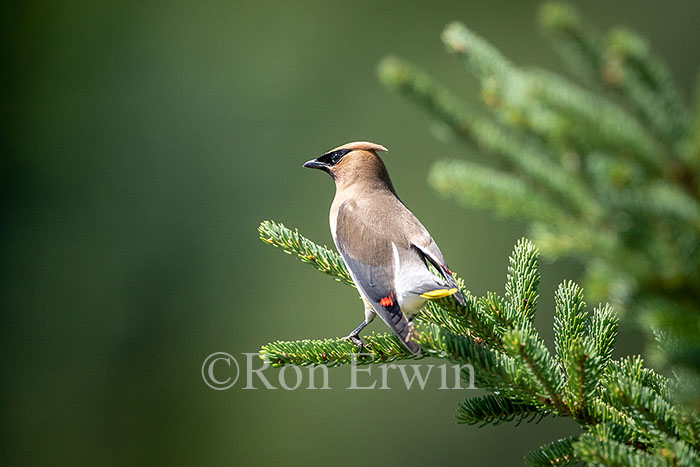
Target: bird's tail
[[443, 289], [452, 287], [433, 288], [390, 312], [439, 293]]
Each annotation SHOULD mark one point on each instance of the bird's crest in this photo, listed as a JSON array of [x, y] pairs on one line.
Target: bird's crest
[[362, 145]]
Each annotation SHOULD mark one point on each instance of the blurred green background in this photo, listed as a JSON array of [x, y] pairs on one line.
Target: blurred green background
[[143, 144]]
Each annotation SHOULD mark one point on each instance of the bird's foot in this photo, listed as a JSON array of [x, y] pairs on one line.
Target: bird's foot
[[355, 339], [412, 333]]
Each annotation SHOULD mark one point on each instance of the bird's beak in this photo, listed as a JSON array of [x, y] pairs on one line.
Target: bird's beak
[[316, 164]]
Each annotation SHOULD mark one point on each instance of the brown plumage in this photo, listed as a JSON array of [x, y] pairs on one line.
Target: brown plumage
[[384, 245]]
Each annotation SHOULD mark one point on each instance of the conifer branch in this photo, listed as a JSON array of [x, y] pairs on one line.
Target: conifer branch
[[688, 426], [570, 319], [602, 331], [503, 316], [578, 44], [624, 63], [675, 452], [574, 240], [560, 452], [475, 185], [551, 106], [465, 321], [523, 279], [647, 83], [378, 348], [612, 182], [647, 408], [494, 410], [599, 447], [513, 147], [633, 367], [622, 400], [593, 123], [607, 173], [531, 351], [583, 372], [600, 411], [493, 370], [320, 257], [448, 319]]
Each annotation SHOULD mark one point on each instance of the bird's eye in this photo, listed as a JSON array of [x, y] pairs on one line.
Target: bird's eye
[[337, 155]]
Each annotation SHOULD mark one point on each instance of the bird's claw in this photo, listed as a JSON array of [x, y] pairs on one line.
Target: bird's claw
[[355, 339], [412, 333]]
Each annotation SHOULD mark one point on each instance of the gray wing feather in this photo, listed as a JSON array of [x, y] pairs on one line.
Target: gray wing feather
[[439, 263]]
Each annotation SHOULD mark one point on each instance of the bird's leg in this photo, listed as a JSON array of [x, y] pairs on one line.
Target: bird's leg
[[354, 336]]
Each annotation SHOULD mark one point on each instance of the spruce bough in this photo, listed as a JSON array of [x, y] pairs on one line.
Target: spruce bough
[[626, 411], [605, 169]]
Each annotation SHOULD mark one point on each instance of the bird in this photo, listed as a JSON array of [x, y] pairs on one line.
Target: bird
[[385, 247]]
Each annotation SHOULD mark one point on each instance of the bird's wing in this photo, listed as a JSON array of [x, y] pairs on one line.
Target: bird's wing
[[368, 253], [432, 254], [420, 239]]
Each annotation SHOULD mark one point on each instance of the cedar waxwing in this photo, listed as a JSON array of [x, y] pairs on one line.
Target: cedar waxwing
[[386, 249]]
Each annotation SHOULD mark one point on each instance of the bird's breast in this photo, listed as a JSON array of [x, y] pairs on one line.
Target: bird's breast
[[333, 218]]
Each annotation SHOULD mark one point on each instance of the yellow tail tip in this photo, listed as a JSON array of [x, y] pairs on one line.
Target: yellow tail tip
[[438, 293]]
